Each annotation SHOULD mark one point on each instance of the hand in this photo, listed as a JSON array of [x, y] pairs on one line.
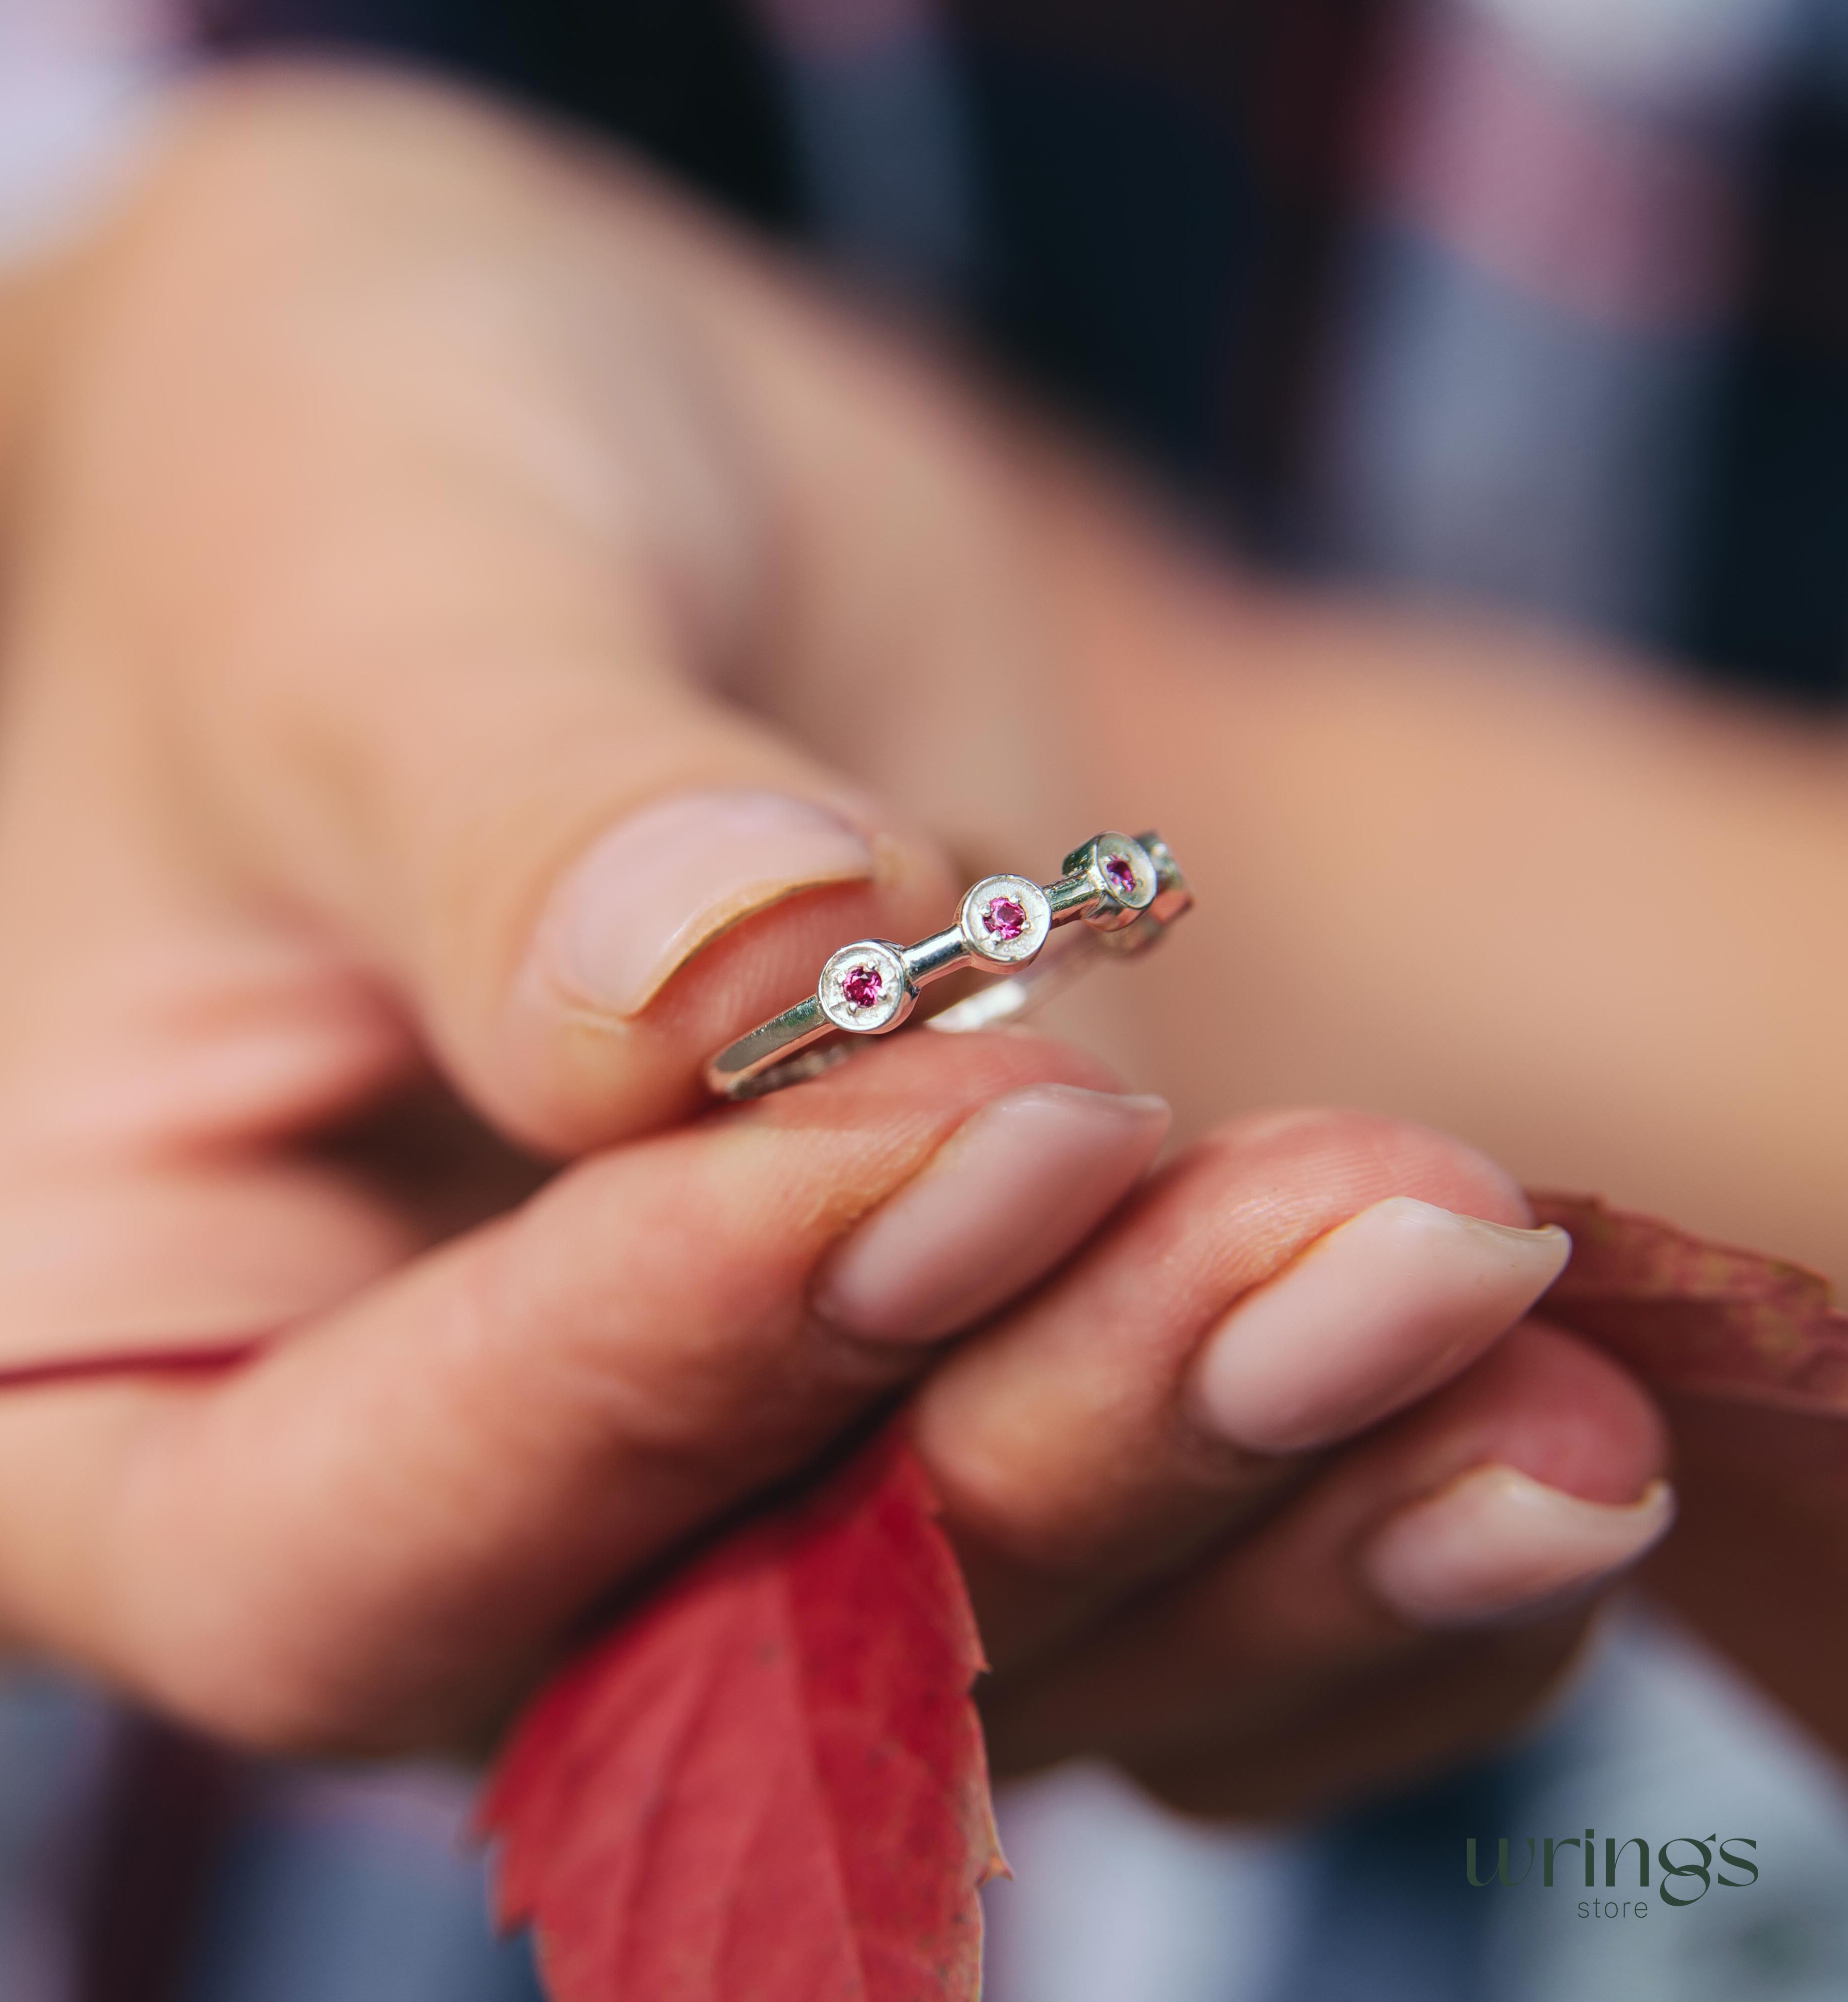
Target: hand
[[370, 841], [1261, 1498], [403, 491]]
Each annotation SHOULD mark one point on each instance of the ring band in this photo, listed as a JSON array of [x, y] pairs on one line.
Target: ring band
[[1122, 893]]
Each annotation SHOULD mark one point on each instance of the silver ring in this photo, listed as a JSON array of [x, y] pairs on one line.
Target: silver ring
[[1122, 895]]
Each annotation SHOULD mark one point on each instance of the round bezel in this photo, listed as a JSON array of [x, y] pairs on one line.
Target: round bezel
[[1139, 891], [862, 988], [985, 929]]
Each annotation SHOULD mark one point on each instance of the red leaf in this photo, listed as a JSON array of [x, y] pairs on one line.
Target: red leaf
[[1687, 1315], [768, 1781]]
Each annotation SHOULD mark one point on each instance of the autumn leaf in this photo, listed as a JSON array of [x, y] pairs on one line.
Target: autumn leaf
[[767, 1782], [1688, 1315], [1751, 1361]]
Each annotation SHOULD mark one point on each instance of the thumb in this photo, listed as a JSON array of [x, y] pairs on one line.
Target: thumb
[[424, 525], [582, 889], [580, 871]]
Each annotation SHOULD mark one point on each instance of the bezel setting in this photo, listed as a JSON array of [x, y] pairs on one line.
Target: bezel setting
[[990, 942], [1102, 862], [844, 979]]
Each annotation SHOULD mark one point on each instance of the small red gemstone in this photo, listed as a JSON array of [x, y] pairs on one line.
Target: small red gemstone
[[863, 985], [1003, 917], [1120, 876]]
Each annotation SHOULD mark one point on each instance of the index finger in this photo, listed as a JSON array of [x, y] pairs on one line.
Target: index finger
[[373, 1533]]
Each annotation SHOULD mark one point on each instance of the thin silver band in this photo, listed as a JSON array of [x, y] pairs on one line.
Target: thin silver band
[[1123, 893]]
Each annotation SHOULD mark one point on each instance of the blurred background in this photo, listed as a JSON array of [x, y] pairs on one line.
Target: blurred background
[[1541, 304]]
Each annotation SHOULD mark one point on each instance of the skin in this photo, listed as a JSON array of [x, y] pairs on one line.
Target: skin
[[399, 496]]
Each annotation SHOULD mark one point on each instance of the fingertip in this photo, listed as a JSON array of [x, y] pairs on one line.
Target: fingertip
[[666, 881], [1554, 1407], [1497, 1544], [1023, 1181], [678, 929], [1371, 1316], [1536, 1478]]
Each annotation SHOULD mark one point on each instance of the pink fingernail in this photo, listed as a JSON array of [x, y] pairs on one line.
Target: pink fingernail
[[1018, 1187], [1368, 1319], [1497, 1542], [659, 885]]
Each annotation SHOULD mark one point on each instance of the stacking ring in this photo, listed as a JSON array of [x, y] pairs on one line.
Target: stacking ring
[[1121, 895]]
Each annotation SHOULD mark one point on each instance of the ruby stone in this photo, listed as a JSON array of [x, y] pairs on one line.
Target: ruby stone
[[1003, 917], [863, 985], [1120, 876]]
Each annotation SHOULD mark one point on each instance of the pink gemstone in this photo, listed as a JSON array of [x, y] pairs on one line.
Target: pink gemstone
[[1003, 917], [863, 985], [1120, 876]]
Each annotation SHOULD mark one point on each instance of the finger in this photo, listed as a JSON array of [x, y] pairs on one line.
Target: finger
[[1535, 1476], [450, 598], [381, 1527], [1172, 1383]]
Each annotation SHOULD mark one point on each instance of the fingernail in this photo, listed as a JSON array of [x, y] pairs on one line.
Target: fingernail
[[661, 884], [1017, 1187], [1497, 1542], [1368, 1319]]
